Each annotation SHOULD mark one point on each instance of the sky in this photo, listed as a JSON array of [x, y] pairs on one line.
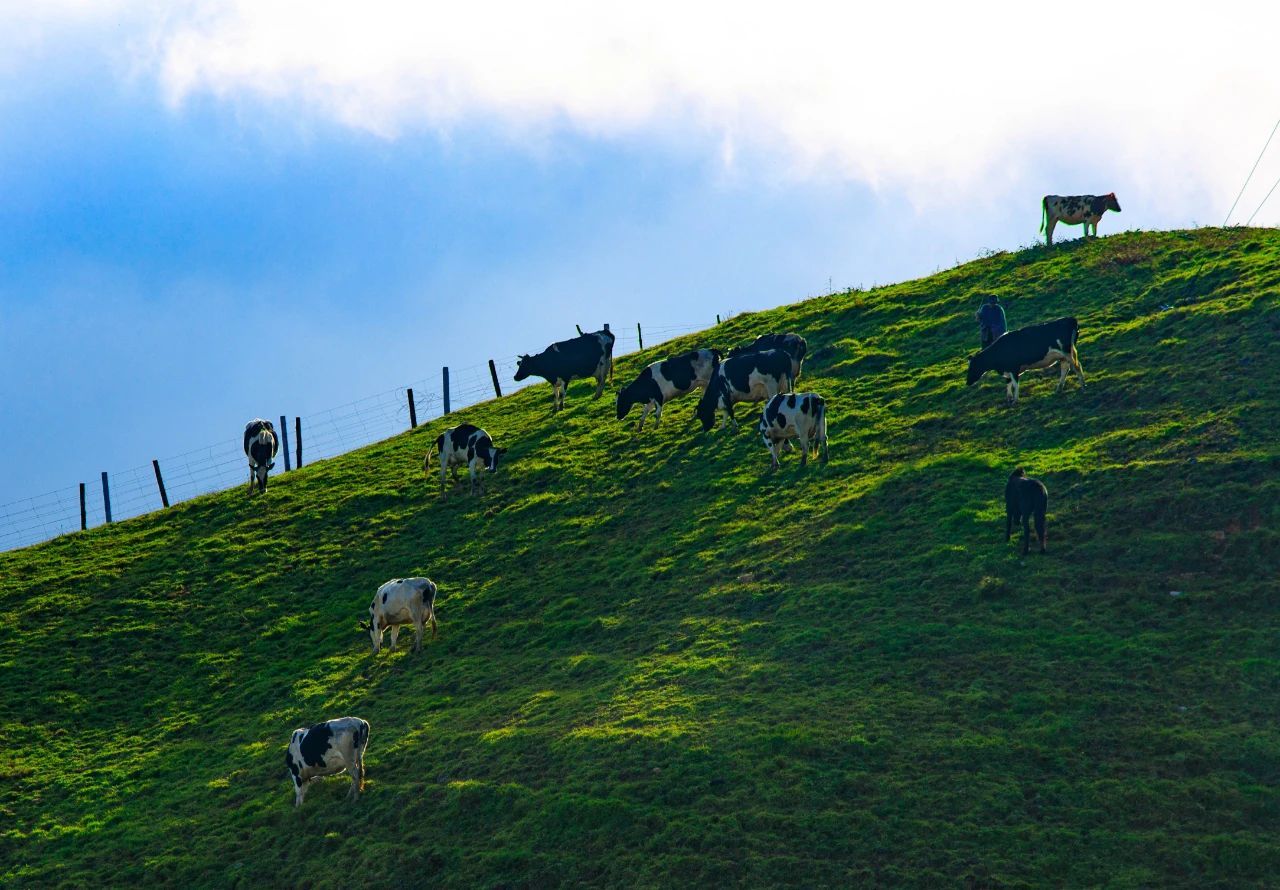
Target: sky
[[211, 211]]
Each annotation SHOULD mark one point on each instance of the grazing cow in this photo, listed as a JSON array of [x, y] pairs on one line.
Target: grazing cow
[[589, 355], [797, 415], [398, 602], [752, 377], [1025, 499], [1036, 346], [792, 344], [469, 445], [663, 381], [1074, 210], [327, 749], [260, 446]]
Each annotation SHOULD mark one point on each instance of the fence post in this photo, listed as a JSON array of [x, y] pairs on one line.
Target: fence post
[[413, 411], [493, 372], [717, 318], [84, 519], [639, 335], [446, 390], [164, 497], [284, 441], [579, 327], [106, 496], [297, 434]]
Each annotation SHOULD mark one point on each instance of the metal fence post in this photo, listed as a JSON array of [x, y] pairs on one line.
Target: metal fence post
[[413, 411], [446, 390], [297, 434], [164, 497], [284, 441], [84, 518], [106, 496], [493, 372]]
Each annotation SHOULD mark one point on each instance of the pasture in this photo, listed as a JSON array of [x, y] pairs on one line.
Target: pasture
[[661, 665]]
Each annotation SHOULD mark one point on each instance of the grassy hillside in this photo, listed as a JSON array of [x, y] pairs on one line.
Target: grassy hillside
[[661, 665]]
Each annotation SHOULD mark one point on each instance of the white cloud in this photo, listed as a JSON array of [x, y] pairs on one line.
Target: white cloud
[[944, 101]]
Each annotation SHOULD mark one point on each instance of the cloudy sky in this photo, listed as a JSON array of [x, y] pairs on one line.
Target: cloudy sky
[[215, 210]]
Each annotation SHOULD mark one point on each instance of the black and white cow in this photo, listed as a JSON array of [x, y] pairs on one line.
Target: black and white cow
[[1036, 346], [1025, 499], [465, 445], [796, 415], [1074, 210], [752, 377], [399, 602], [792, 344], [663, 381], [260, 446], [589, 355], [327, 749]]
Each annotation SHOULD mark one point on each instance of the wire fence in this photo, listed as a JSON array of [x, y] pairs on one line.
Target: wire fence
[[220, 466]]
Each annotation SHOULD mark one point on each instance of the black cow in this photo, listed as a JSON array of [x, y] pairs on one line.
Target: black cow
[[587, 356], [752, 377], [1025, 499], [792, 344], [1036, 346], [260, 446], [1074, 210], [465, 444], [663, 381]]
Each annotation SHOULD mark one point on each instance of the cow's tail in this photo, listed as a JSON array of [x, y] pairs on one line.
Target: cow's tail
[[1044, 213]]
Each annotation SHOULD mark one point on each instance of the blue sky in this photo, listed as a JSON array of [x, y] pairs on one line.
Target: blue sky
[[201, 221]]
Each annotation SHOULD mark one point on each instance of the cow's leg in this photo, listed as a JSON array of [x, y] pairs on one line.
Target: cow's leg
[[1048, 231], [1040, 529], [657, 414], [417, 627], [473, 476], [1075, 364], [395, 633], [1063, 370], [251, 480], [357, 777], [600, 375], [644, 415], [1009, 519], [775, 452], [432, 616], [1026, 532], [1010, 389], [804, 448], [299, 792]]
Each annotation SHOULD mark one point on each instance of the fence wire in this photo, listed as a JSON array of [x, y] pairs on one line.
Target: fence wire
[[222, 465]]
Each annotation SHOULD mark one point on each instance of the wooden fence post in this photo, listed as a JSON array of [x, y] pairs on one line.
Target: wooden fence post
[[297, 434], [579, 327], [446, 390], [717, 318], [640, 335], [106, 496], [413, 411], [84, 518], [284, 441], [493, 372], [164, 497]]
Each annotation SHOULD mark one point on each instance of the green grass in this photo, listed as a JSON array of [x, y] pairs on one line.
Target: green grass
[[659, 665]]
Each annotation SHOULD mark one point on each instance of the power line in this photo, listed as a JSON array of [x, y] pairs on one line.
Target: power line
[[1250, 176]]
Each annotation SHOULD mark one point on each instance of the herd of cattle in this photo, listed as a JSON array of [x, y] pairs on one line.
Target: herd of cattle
[[766, 370]]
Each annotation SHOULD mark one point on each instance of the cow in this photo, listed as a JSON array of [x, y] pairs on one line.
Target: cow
[[326, 749], [795, 415], [398, 602], [752, 377], [589, 355], [1036, 346], [1025, 499], [663, 381], [1074, 210], [792, 344], [260, 446], [469, 445]]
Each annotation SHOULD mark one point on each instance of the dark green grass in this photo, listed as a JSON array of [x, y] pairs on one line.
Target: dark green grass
[[660, 665]]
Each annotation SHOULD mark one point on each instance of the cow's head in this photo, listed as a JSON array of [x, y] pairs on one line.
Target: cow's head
[[492, 463], [521, 371], [374, 630], [975, 370], [706, 410], [1112, 203], [626, 400]]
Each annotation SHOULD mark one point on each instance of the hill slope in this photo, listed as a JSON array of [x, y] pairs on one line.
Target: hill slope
[[660, 665]]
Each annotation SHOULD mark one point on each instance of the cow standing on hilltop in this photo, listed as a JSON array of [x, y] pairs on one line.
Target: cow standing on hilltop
[[1074, 210], [1036, 346], [260, 446], [663, 381], [792, 344], [589, 355]]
